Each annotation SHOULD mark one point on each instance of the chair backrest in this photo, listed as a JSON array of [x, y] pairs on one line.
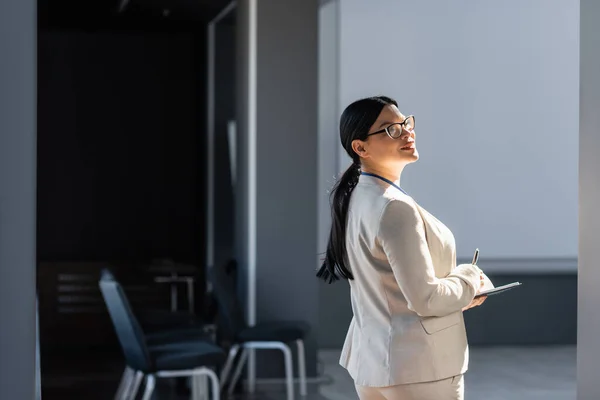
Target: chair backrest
[[225, 292], [106, 274], [128, 330]]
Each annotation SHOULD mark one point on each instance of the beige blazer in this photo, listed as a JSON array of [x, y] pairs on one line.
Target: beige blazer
[[407, 293]]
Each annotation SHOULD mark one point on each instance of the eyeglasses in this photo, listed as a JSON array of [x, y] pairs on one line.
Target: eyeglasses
[[394, 131]]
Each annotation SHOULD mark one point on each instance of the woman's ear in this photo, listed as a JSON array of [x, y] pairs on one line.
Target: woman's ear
[[360, 148]]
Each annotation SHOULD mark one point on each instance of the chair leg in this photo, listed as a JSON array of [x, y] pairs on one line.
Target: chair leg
[[301, 366], [126, 380], [198, 377], [238, 371], [139, 375], [229, 363], [150, 383], [251, 371], [289, 372], [214, 384], [195, 387], [202, 387], [199, 385]]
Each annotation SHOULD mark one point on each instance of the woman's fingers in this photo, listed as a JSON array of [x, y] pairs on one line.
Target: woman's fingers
[[476, 302]]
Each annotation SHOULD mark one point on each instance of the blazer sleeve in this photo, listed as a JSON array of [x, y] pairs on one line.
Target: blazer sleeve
[[402, 237]]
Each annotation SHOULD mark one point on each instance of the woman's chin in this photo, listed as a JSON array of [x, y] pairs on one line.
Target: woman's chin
[[411, 156]]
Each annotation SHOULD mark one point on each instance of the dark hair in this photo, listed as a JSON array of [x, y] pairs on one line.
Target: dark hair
[[355, 122]]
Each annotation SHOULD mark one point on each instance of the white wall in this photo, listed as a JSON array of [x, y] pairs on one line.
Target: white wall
[[494, 87]]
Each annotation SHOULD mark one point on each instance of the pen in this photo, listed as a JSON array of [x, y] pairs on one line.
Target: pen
[[475, 257]]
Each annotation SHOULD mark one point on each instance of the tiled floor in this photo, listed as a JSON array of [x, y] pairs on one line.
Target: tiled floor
[[499, 373]]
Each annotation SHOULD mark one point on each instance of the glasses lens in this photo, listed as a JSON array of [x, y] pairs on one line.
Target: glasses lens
[[394, 130], [409, 125]]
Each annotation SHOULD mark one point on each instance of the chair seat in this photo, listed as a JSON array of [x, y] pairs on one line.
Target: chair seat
[[180, 346], [181, 356], [176, 335], [274, 332], [156, 320]]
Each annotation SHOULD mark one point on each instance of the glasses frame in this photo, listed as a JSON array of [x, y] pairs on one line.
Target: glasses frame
[[402, 124]]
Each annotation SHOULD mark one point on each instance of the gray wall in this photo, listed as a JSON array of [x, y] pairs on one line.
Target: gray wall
[[286, 165], [17, 198], [588, 353], [225, 109]]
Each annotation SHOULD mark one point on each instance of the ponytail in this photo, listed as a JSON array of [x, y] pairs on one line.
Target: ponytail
[[355, 122], [335, 264]]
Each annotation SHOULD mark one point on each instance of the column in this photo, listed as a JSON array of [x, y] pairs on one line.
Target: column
[[18, 26], [588, 329], [278, 166]]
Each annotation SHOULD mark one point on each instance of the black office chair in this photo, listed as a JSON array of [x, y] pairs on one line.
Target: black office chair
[[166, 360], [161, 320], [275, 335]]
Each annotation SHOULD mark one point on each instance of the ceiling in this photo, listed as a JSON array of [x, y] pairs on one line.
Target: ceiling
[[127, 14]]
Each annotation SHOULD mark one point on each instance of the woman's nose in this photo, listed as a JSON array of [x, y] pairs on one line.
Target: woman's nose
[[406, 132]]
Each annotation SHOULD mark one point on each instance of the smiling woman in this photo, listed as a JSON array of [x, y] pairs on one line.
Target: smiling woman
[[374, 152], [407, 293]]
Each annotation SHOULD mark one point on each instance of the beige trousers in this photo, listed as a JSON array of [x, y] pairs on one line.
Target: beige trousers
[[447, 389]]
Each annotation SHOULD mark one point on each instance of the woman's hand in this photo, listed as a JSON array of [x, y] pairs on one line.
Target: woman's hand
[[477, 301]]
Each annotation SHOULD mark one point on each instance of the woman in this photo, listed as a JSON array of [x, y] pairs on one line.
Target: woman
[[407, 337]]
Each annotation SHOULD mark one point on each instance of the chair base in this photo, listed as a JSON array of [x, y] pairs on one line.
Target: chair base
[[131, 381], [287, 354]]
